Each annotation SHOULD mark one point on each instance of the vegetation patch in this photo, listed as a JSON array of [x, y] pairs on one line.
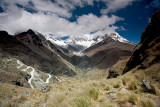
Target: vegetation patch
[[82, 101], [92, 92], [133, 99]]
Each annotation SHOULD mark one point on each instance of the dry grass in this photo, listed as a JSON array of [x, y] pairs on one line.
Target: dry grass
[[107, 87], [120, 65], [133, 99], [147, 103], [92, 91], [10, 90], [82, 101]]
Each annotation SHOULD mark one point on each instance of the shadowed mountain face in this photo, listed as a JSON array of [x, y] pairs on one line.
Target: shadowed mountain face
[[34, 50], [108, 52], [9, 46], [147, 52]]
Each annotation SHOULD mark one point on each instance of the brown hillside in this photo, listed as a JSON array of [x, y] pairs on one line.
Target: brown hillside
[[147, 52]]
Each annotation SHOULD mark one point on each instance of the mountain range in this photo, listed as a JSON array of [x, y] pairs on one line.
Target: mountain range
[[55, 56]]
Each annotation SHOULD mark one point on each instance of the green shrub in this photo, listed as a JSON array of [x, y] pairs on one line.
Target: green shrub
[[116, 86], [133, 99], [150, 103], [60, 98], [82, 102], [132, 86], [125, 80], [147, 103], [93, 92], [139, 90], [107, 88], [156, 90], [107, 105]]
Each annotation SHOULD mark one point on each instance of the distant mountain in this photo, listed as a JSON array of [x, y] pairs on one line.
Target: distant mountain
[[76, 45], [73, 45], [109, 41], [104, 51], [109, 51]]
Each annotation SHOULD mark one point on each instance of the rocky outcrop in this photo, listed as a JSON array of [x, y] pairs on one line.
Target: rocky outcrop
[[147, 52], [113, 73], [117, 69], [147, 87]]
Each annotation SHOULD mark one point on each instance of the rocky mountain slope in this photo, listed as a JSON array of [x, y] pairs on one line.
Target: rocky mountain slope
[[147, 53], [27, 58], [39, 45], [109, 51]]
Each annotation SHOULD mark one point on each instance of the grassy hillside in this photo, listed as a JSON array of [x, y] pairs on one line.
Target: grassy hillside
[[88, 91]]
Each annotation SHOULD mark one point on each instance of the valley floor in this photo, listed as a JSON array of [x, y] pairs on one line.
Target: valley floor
[[87, 89]]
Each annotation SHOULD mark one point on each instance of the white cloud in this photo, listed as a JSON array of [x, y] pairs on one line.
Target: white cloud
[[114, 5], [71, 4], [92, 23], [122, 28], [16, 19], [39, 5], [52, 23], [48, 6]]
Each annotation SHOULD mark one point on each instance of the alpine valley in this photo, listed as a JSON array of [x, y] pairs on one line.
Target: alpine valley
[[39, 70]]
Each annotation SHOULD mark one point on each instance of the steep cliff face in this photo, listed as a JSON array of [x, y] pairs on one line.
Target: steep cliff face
[[147, 52]]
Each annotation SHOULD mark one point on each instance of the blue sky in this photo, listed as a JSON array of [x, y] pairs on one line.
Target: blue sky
[[89, 18], [137, 18]]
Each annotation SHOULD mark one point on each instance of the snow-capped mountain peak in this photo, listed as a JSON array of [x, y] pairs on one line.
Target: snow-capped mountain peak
[[119, 38], [76, 45], [82, 41]]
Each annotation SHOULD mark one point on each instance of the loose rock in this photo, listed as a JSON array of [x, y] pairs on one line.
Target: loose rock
[[112, 91], [44, 88], [146, 86], [123, 89]]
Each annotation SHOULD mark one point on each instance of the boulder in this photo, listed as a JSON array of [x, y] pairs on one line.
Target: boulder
[[113, 73], [146, 86]]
